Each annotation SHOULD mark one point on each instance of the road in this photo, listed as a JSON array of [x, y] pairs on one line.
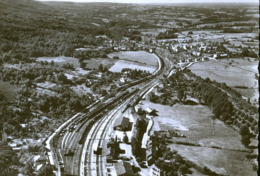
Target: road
[[79, 159]]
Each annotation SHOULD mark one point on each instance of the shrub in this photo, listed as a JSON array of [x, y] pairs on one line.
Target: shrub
[[245, 140], [229, 122], [251, 156], [250, 119], [252, 128], [239, 124], [244, 130]]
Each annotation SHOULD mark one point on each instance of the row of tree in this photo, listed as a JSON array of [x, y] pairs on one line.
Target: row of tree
[[226, 103]]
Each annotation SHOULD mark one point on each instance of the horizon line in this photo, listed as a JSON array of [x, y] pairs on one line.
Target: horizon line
[[176, 2]]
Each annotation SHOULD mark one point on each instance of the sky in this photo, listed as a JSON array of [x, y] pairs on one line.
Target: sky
[[162, 1]]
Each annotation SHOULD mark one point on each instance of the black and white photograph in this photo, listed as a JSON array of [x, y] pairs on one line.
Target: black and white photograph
[[129, 87]]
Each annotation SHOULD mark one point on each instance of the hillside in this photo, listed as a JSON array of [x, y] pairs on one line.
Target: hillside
[[33, 29]]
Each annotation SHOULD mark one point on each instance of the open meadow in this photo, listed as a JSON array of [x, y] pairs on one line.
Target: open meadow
[[141, 57], [119, 65], [94, 63], [134, 60], [60, 60], [240, 74], [217, 146]]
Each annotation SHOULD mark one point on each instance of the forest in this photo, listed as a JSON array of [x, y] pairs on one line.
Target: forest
[[35, 33]]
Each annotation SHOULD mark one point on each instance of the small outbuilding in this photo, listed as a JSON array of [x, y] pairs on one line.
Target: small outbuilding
[[122, 124]]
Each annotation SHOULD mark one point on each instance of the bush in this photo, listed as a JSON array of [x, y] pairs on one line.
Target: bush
[[251, 156], [252, 128], [229, 122], [238, 124], [125, 138], [245, 140], [244, 130], [251, 119]]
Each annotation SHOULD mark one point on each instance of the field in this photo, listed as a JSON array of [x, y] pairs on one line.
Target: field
[[134, 60], [140, 57], [196, 124], [238, 35], [119, 65], [240, 73], [94, 63], [153, 32], [226, 162], [60, 60]]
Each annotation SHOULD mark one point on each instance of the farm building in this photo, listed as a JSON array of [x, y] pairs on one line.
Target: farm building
[[202, 48], [39, 163], [222, 55], [153, 143], [39, 159], [122, 124], [151, 111], [40, 169], [194, 53], [174, 48], [113, 150]]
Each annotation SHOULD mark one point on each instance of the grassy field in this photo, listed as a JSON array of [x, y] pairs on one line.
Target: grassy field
[[238, 35], [94, 63], [243, 63], [134, 60], [153, 32], [119, 65], [60, 60], [196, 124], [224, 162], [141, 57], [240, 73]]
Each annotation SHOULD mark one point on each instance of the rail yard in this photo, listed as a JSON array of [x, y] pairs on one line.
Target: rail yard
[[72, 146]]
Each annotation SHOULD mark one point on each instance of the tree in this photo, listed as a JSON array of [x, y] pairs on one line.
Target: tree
[[245, 52], [48, 171], [83, 65], [244, 130], [125, 138], [181, 95], [245, 140], [100, 68]]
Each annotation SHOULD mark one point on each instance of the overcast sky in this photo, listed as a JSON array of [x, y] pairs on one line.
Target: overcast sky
[[162, 1]]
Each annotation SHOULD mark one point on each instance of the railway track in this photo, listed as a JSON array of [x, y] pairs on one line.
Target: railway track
[[95, 140], [70, 139], [95, 164]]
